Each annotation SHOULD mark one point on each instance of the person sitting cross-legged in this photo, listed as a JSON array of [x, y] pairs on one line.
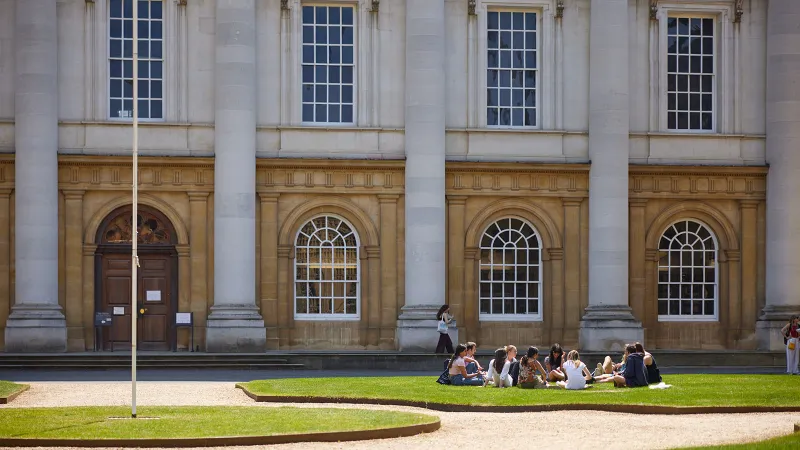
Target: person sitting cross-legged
[[635, 374], [577, 373], [457, 369], [473, 366], [528, 368]]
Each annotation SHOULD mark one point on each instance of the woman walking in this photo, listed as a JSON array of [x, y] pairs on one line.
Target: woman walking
[[791, 333], [444, 318]]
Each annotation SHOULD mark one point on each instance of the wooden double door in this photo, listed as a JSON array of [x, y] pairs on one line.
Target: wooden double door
[[155, 305]]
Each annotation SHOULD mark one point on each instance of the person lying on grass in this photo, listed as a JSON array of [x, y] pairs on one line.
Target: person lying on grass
[[529, 366], [457, 369], [577, 372]]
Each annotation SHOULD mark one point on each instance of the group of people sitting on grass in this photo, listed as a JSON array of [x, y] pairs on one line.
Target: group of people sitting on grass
[[637, 368]]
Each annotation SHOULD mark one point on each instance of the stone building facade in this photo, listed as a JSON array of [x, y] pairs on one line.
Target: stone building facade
[[325, 175]]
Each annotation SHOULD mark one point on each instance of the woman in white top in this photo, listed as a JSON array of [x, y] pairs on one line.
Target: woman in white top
[[576, 371], [499, 368]]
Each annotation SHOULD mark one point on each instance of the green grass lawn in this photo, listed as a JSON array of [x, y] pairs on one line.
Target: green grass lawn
[[686, 390], [8, 388], [192, 422], [790, 441]]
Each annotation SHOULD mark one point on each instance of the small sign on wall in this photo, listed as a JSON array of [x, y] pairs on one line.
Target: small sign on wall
[[183, 318], [119, 310], [153, 296]]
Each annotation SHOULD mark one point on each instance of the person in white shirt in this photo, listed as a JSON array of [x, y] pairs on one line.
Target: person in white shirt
[[576, 371], [499, 368]]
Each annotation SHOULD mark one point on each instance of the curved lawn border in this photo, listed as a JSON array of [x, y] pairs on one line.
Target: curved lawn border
[[13, 395], [445, 407], [334, 436]]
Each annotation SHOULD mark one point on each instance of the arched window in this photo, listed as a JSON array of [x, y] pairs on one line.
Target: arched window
[[326, 270], [510, 286], [687, 273]]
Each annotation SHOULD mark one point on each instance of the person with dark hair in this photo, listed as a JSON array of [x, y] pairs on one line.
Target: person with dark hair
[[791, 337], [457, 369], [444, 318], [499, 369], [554, 363], [472, 364], [528, 367], [635, 374], [653, 374]]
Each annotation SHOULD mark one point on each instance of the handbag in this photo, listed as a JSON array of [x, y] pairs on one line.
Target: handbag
[[792, 344], [442, 326], [444, 378]]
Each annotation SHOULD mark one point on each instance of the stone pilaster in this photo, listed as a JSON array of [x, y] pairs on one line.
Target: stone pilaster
[[198, 260], [783, 184], [388, 232], [572, 268], [5, 261], [36, 322], [73, 243], [235, 324], [269, 266], [608, 323], [425, 265], [749, 215], [456, 206]]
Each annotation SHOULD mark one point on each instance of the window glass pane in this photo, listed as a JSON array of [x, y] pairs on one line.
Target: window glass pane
[[328, 57], [510, 266], [512, 68], [326, 249], [690, 54], [683, 272]]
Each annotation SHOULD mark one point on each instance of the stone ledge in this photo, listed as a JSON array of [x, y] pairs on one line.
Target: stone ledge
[[334, 436], [12, 396], [630, 409]]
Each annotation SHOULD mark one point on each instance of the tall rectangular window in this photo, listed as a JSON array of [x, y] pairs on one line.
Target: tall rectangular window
[[512, 69], [151, 59], [328, 64], [690, 73]]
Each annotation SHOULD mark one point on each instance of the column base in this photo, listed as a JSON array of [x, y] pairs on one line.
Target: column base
[[36, 328], [609, 328], [768, 326], [416, 329], [235, 329]]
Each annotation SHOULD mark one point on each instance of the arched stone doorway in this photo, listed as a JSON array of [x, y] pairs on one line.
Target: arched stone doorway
[[157, 279]]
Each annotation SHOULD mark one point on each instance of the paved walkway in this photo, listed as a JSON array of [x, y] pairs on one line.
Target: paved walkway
[[590, 430]]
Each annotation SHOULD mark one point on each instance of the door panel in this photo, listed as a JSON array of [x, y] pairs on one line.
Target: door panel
[[154, 330]]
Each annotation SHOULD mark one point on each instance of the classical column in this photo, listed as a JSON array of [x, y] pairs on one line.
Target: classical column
[[425, 232], [783, 184], [36, 323], [73, 241], [608, 323], [235, 324]]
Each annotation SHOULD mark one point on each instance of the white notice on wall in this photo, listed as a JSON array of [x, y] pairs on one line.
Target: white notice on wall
[[153, 296], [183, 318], [119, 310]]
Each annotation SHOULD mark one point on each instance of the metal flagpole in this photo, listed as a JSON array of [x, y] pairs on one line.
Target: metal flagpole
[[135, 223]]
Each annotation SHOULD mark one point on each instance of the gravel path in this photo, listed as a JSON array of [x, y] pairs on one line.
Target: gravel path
[[590, 429]]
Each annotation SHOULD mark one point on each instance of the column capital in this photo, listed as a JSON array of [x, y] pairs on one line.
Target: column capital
[[637, 202], [472, 254], [370, 252], [651, 254], [198, 196], [733, 255], [73, 194], [89, 249], [286, 251], [269, 197], [555, 254], [388, 198], [5, 193], [457, 199], [571, 202], [183, 250], [749, 203]]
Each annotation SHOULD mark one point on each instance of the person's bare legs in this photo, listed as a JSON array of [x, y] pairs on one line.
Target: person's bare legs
[[608, 365], [556, 376], [619, 381]]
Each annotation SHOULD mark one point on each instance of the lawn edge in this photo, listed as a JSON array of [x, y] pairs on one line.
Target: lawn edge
[[448, 407], [332, 436], [7, 399]]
